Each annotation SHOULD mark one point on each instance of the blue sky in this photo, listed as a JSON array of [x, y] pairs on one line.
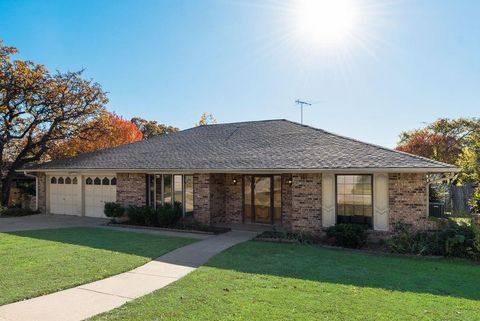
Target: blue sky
[[410, 62]]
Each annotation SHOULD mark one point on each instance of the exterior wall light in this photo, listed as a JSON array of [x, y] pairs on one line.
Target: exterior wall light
[[234, 181], [289, 181]]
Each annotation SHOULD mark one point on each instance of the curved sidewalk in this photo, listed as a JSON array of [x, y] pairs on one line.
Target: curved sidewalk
[[87, 300]]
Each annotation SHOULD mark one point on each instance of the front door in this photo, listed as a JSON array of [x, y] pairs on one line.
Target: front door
[[262, 199], [258, 199]]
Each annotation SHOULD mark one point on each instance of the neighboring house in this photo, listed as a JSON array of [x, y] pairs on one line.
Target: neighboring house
[[260, 172]]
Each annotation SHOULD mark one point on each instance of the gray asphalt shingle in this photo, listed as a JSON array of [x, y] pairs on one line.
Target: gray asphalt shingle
[[270, 144]]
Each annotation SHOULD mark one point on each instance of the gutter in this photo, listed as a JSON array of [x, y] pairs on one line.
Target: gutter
[[36, 188], [254, 170]]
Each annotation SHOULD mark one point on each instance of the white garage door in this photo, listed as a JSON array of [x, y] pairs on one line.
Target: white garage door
[[98, 191], [65, 195]]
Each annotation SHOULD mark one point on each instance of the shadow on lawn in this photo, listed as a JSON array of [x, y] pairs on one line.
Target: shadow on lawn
[[437, 277], [146, 245]]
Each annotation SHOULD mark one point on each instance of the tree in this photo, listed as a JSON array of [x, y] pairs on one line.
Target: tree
[[39, 109], [443, 140], [206, 119], [107, 130], [151, 128], [431, 145]]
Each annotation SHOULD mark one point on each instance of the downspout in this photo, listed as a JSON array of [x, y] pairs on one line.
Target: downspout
[[447, 177], [36, 188]]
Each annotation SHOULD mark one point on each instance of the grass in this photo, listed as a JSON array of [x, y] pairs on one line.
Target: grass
[[269, 281], [34, 263]]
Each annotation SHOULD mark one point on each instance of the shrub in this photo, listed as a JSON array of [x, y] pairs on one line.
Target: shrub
[[454, 239], [407, 241], [113, 210], [348, 235], [142, 215], [168, 215], [474, 201], [16, 211]]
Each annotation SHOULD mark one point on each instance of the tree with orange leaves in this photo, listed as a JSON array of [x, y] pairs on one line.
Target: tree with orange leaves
[[106, 131]]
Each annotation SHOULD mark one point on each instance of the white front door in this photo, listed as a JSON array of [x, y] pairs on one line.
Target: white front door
[[98, 191], [64, 195]]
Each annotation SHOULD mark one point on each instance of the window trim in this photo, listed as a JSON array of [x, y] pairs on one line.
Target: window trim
[[373, 198]]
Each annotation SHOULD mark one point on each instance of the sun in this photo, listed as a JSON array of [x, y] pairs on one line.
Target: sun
[[325, 22]]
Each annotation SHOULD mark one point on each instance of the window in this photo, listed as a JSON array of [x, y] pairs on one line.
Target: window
[[68, 180], [53, 180], [105, 181], [277, 198], [60, 180], [188, 182], [97, 181], [354, 199], [178, 190], [89, 181], [113, 181], [158, 190], [167, 188], [74, 181]]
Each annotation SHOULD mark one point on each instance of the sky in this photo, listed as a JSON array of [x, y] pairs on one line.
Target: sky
[[404, 63]]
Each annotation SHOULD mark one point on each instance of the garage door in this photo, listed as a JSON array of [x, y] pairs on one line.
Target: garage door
[[65, 195], [98, 191]]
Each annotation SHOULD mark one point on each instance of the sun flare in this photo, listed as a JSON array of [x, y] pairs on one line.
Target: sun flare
[[325, 22]]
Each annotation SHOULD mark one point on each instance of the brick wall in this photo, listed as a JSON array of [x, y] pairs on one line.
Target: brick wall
[[42, 192], [131, 189], [407, 195], [217, 199], [201, 198], [233, 198], [286, 201], [306, 203]]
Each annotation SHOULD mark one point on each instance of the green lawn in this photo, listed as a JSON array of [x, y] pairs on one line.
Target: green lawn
[[33, 263], [267, 281]]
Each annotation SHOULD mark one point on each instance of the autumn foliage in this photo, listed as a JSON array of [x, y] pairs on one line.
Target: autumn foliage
[[106, 131], [432, 145]]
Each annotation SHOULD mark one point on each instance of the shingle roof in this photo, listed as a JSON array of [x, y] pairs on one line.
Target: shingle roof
[[270, 144]]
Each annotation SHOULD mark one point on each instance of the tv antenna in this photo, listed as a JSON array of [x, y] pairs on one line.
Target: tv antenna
[[302, 103]]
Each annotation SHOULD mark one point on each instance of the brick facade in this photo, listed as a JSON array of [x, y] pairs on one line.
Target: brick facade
[[287, 212], [201, 198], [233, 198], [42, 193], [408, 203], [218, 200], [131, 189], [306, 203]]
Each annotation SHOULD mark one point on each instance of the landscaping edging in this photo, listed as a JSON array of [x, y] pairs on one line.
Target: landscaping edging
[[154, 228]]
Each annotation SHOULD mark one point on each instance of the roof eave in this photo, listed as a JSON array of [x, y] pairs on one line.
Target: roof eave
[[257, 170]]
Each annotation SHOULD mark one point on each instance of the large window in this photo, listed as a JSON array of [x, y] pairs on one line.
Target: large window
[[171, 189], [354, 199]]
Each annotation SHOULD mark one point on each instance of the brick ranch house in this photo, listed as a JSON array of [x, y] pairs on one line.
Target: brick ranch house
[[273, 172]]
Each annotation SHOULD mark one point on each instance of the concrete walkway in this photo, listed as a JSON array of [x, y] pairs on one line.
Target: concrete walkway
[[93, 298]]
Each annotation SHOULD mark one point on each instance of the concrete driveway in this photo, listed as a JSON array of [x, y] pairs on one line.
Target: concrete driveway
[[42, 221]]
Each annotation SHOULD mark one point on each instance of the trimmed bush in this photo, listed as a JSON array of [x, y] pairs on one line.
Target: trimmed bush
[[168, 215], [113, 210], [142, 215], [348, 235]]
